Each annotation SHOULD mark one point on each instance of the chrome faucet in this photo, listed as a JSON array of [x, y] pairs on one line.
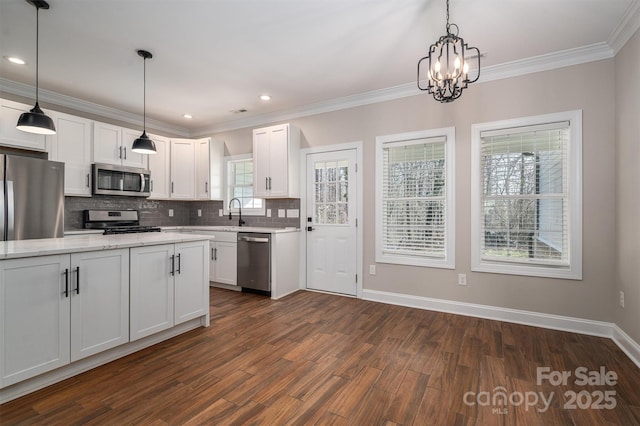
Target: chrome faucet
[[240, 221]]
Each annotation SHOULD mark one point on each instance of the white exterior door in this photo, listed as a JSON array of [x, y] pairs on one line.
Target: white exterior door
[[332, 232]]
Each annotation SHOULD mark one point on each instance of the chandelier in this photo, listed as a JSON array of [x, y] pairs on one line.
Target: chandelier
[[448, 65]]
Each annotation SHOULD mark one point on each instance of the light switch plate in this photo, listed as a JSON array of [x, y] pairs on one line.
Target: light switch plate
[[170, 212], [281, 213], [199, 212], [293, 213], [220, 212]]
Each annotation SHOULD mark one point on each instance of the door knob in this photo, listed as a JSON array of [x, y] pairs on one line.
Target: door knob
[[309, 228]]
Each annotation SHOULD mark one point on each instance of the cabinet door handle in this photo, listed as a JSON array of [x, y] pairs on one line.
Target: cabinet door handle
[[173, 265], [269, 183], [216, 254], [151, 185], [266, 183], [66, 283], [212, 249], [120, 152], [172, 187], [206, 187], [178, 263], [77, 280], [125, 152], [88, 180]]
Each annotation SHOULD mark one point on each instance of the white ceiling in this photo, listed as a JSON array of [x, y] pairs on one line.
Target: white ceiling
[[211, 57]]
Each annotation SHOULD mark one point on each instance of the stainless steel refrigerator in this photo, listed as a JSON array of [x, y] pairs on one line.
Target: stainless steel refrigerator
[[31, 198]]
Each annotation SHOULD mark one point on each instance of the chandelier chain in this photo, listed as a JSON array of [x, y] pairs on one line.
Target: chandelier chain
[[37, 47], [447, 16]]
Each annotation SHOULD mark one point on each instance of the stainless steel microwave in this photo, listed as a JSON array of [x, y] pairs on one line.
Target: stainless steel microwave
[[109, 179]]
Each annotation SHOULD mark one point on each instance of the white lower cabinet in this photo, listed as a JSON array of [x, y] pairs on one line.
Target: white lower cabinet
[[58, 309], [169, 285], [223, 261]]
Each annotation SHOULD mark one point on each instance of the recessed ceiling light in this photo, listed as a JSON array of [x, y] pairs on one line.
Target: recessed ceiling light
[[15, 60], [187, 115], [265, 97]]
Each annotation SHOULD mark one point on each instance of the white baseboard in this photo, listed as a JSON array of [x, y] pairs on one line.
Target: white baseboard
[[535, 319], [627, 344]]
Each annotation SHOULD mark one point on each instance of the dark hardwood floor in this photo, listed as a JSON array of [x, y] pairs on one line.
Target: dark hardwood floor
[[314, 358]]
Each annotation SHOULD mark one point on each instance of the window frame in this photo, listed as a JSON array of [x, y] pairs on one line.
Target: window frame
[[227, 189], [574, 189], [448, 261]]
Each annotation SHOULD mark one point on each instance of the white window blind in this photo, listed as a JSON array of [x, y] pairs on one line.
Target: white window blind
[[525, 201], [240, 186], [414, 198]]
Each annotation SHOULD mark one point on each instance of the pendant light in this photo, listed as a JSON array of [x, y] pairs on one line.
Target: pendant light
[[36, 121], [448, 65], [144, 145]]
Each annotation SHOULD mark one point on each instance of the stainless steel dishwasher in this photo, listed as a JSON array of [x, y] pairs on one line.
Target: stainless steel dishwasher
[[254, 261]]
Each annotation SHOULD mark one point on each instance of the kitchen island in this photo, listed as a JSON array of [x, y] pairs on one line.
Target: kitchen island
[[72, 304]]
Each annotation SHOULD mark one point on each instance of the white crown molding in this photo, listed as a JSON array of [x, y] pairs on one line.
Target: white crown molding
[[580, 55], [626, 29], [374, 96], [535, 319], [549, 61], [565, 58], [27, 91]]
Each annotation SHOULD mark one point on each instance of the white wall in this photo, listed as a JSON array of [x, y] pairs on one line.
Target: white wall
[[589, 87], [628, 187]]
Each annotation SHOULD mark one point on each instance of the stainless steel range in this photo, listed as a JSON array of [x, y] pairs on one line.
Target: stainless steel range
[[116, 221]]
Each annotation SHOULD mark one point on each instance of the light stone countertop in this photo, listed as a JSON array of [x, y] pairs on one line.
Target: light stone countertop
[[90, 242], [263, 230]]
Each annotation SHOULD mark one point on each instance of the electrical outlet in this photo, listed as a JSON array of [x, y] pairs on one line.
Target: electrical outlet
[[199, 212], [268, 212], [170, 212], [281, 213], [462, 279], [622, 299], [372, 269]]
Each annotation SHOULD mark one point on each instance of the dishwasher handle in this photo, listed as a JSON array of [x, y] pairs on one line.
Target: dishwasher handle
[[253, 239]]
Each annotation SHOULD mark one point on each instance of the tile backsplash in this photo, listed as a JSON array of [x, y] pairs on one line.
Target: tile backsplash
[[185, 213]]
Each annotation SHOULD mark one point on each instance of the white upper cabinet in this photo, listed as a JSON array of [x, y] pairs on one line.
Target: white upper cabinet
[[132, 159], [183, 171], [209, 169], [276, 151], [72, 145], [112, 145], [9, 114], [159, 165]]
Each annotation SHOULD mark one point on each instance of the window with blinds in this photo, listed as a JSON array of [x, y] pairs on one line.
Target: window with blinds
[[527, 201], [240, 186], [414, 202]]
